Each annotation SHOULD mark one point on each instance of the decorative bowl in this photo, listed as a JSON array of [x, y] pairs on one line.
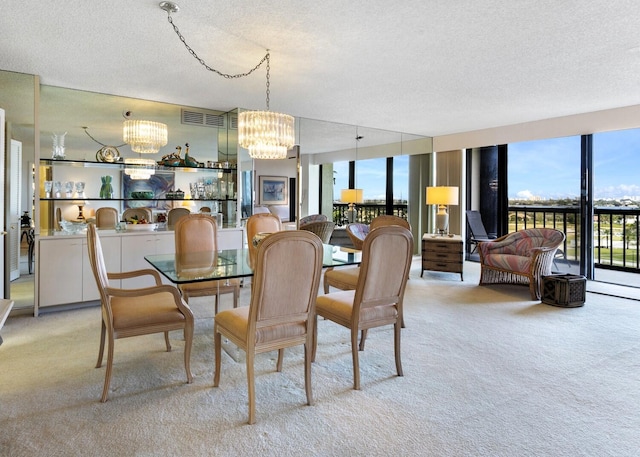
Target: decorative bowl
[[141, 227], [147, 194], [73, 227]]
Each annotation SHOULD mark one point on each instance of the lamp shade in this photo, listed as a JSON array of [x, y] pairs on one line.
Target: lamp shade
[[266, 134], [144, 137], [442, 195], [351, 196]]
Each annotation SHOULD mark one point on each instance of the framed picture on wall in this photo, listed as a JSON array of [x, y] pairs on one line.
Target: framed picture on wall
[[273, 190]]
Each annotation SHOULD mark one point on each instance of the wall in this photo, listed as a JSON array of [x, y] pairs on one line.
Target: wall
[[579, 124]]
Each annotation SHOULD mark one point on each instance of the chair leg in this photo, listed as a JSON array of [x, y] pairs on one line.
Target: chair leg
[[354, 354], [251, 386], [314, 344], [236, 296], [325, 283], [101, 350], [307, 371], [218, 353], [188, 340], [280, 358], [167, 342], [363, 337], [107, 375], [396, 336]]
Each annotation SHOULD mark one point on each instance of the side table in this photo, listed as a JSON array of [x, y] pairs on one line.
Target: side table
[[442, 253]]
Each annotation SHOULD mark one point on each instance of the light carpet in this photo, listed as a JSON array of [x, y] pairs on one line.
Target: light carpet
[[488, 372]]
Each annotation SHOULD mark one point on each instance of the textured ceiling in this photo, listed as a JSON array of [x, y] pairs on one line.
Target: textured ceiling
[[428, 67]]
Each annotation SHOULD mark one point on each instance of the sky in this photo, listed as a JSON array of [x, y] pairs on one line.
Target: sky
[[371, 177], [551, 168]]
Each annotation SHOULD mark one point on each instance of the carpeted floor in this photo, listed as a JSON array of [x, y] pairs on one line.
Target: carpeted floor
[[488, 372]]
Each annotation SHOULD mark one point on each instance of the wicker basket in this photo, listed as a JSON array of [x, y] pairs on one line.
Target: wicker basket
[[565, 290]]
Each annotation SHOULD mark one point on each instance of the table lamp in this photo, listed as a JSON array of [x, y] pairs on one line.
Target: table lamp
[[351, 196], [442, 196]]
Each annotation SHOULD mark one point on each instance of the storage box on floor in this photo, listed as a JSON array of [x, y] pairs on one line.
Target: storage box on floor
[[565, 290]]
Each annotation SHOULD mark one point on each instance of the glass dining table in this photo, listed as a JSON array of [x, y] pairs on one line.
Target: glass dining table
[[231, 263]]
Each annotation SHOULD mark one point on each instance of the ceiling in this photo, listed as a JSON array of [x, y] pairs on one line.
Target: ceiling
[[426, 67]]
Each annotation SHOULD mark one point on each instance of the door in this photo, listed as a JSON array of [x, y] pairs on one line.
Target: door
[[13, 209]]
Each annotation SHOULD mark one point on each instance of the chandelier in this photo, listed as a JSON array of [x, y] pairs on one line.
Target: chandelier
[[144, 137], [266, 134]]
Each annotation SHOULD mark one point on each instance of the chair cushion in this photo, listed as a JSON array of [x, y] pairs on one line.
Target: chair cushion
[[509, 262], [141, 311], [347, 277], [338, 306], [236, 321]]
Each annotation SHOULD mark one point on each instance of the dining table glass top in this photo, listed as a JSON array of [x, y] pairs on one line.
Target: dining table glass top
[[232, 263]]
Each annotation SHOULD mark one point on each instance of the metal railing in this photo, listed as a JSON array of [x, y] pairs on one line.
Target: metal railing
[[615, 232], [366, 212]]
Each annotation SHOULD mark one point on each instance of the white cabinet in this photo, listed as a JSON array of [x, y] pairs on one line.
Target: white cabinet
[[60, 271], [136, 246], [65, 274]]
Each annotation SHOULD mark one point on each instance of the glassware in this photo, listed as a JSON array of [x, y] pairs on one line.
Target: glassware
[[68, 188], [80, 189], [48, 185], [106, 191], [58, 145], [57, 188]]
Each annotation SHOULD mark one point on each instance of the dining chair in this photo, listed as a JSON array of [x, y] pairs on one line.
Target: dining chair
[[388, 219], [347, 278], [198, 233], [106, 217], [377, 298], [260, 223], [357, 232], [134, 312], [281, 311], [175, 214]]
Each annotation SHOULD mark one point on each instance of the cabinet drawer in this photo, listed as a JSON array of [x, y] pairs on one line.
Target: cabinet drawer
[[451, 267], [442, 246], [442, 256]]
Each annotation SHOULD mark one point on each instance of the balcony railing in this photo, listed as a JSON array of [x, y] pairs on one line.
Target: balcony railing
[[615, 232], [366, 212]]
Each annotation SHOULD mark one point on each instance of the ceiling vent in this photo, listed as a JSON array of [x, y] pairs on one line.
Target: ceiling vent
[[203, 118]]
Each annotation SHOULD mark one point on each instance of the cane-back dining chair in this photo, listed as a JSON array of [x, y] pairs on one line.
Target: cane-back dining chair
[[133, 312], [106, 217], [197, 234], [175, 214], [377, 299], [281, 311], [324, 229], [260, 223]]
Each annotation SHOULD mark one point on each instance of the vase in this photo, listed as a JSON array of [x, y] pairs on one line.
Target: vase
[[106, 190]]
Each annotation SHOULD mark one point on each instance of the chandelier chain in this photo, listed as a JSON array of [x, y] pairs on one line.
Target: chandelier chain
[[224, 75], [100, 143]]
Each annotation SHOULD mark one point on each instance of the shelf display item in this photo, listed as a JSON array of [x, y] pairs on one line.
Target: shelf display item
[[80, 189], [68, 189], [57, 189], [58, 145], [48, 186], [106, 190]]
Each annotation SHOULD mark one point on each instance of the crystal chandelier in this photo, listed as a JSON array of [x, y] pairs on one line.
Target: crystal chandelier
[[139, 168], [266, 134], [144, 137]]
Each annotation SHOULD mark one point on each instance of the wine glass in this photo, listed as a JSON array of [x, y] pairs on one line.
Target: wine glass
[[80, 189], [68, 187], [48, 185]]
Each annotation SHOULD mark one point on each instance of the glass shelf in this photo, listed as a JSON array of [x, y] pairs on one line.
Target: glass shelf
[[136, 199], [88, 163]]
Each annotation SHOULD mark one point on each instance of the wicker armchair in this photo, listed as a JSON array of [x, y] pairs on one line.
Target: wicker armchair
[[357, 232], [522, 257], [312, 218], [324, 229]]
